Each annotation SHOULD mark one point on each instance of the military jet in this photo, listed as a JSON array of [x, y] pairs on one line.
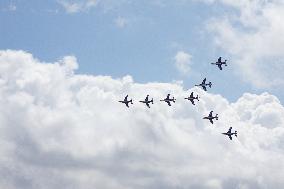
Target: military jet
[[230, 134], [219, 63], [211, 117], [169, 100], [192, 98], [147, 101], [126, 102], [204, 84]]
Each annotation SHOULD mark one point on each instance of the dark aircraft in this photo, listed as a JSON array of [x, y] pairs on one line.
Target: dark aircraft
[[211, 117], [219, 63], [126, 102], [192, 98], [169, 100], [147, 101], [203, 84], [229, 133]]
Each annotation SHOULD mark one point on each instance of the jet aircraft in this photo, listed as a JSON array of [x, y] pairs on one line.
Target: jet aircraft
[[219, 63], [169, 100], [211, 117], [230, 134], [204, 84], [126, 102], [192, 98], [147, 101]]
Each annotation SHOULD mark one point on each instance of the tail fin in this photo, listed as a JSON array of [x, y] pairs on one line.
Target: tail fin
[[197, 97], [131, 101], [225, 62], [210, 84], [152, 101], [174, 100], [217, 117], [236, 133]]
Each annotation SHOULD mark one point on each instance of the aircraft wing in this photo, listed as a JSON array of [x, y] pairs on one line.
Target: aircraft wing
[[127, 105], [125, 99], [210, 114], [230, 130], [219, 59], [168, 96], [211, 121], [220, 66], [191, 95], [192, 101], [204, 80], [230, 136], [204, 88], [148, 105], [146, 99], [169, 103]]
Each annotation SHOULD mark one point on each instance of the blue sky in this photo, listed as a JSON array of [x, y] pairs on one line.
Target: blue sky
[[144, 46]]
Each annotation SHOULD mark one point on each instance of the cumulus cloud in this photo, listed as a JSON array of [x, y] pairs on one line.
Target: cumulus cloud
[[59, 129], [182, 62], [253, 36]]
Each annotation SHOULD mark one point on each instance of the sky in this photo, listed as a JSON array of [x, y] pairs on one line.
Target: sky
[[64, 64], [142, 39]]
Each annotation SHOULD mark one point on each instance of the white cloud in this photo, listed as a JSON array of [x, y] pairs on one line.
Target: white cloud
[[253, 36], [77, 6], [71, 7], [182, 62], [59, 129], [120, 22], [12, 7]]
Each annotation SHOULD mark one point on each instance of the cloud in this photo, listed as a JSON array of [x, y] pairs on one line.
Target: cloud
[[77, 6], [10, 8], [182, 62], [59, 129], [120, 22], [252, 35]]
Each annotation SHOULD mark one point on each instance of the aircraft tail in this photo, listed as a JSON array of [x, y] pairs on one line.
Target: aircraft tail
[[217, 117], [152, 101], [236, 133], [210, 84], [174, 100], [225, 62], [197, 97], [131, 101]]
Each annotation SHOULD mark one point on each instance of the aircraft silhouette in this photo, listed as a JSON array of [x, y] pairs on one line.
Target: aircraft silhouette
[[211, 117], [219, 63], [230, 134], [147, 101], [169, 100], [204, 84], [192, 98], [126, 102]]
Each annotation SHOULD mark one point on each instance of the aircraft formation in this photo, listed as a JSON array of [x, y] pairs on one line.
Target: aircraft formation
[[169, 100]]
